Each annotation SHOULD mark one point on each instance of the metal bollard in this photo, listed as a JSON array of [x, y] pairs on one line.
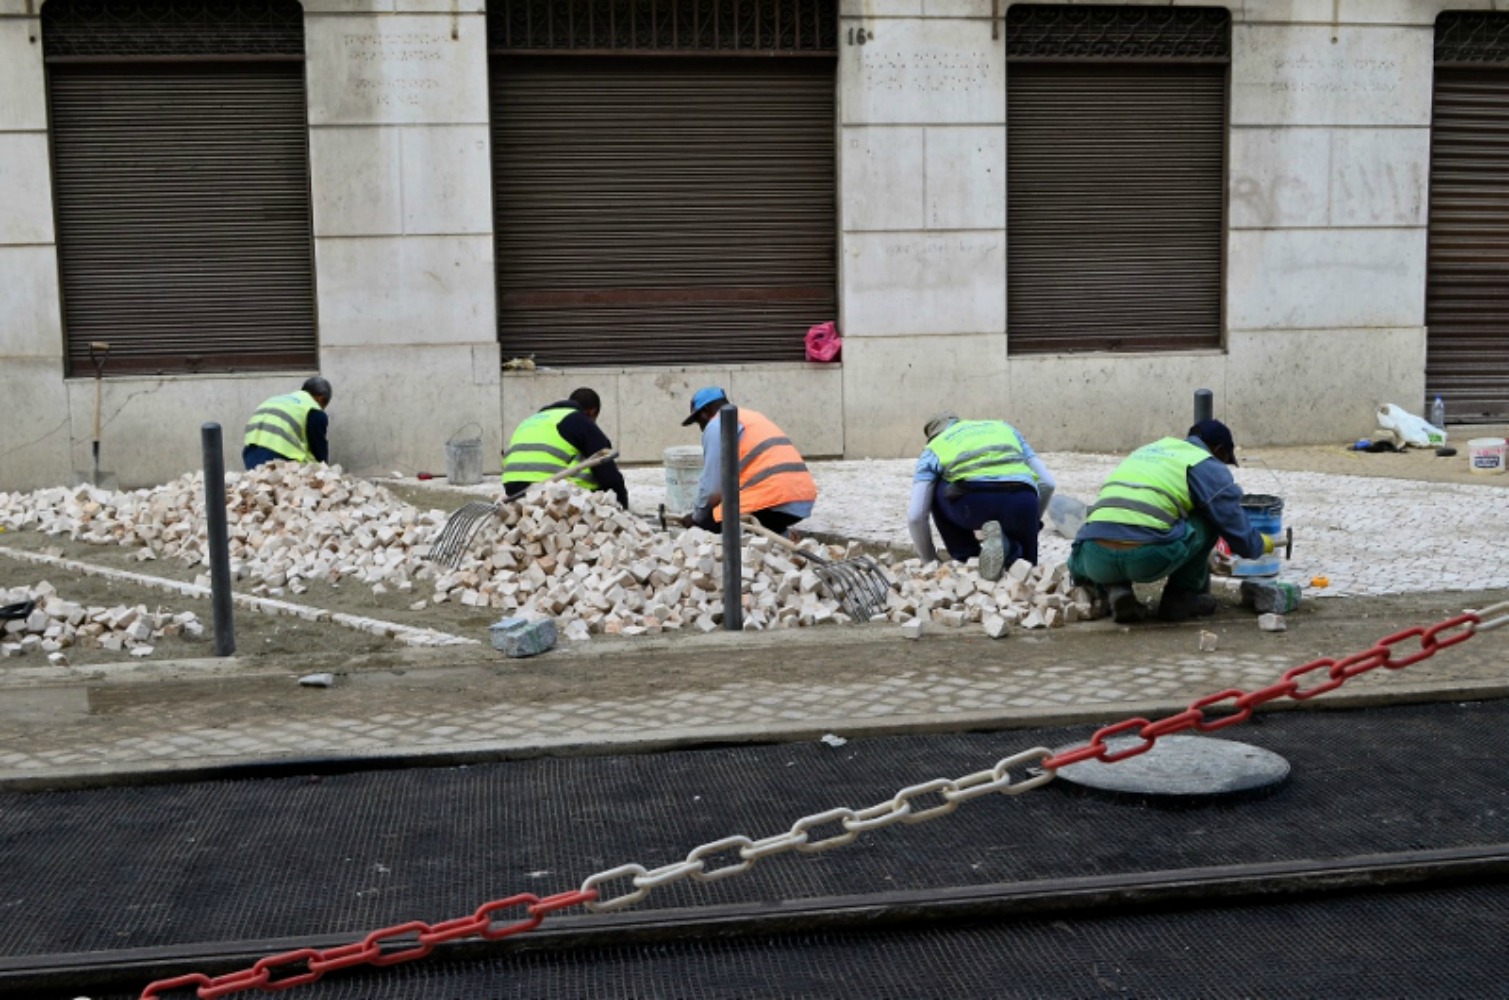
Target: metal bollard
[[733, 575], [1205, 405], [218, 538]]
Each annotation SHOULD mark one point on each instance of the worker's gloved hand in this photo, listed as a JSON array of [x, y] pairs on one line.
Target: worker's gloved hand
[[1269, 541]]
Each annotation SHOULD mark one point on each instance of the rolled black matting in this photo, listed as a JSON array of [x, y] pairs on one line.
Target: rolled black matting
[[1432, 944], [248, 860]]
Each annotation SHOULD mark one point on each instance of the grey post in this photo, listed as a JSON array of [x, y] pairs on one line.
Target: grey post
[[733, 573], [218, 538], [1205, 405]]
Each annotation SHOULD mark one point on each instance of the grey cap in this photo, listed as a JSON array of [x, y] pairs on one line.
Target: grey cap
[[938, 423]]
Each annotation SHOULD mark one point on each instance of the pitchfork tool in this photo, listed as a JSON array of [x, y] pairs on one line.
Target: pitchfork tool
[[859, 584], [462, 526]]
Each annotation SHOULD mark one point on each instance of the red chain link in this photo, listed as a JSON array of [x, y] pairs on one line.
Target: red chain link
[[1336, 673], [305, 965]]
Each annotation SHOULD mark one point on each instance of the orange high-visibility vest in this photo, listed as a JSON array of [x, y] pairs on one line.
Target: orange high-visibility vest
[[771, 470]]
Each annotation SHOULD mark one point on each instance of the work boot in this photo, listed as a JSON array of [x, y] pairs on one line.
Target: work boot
[[992, 551], [1122, 600], [1180, 605]]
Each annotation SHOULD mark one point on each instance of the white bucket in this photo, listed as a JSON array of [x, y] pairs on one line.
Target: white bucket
[[1487, 455], [683, 468]]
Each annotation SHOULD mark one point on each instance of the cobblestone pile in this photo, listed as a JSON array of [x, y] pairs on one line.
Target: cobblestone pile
[[559, 551], [55, 625]]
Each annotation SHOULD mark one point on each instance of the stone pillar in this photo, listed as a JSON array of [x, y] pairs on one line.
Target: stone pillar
[[401, 175], [922, 151], [34, 451], [1329, 182]]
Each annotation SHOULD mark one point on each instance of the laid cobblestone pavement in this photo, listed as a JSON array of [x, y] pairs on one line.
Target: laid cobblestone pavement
[[1436, 544]]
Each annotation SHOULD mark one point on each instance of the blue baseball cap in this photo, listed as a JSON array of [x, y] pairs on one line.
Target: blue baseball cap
[[706, 396]]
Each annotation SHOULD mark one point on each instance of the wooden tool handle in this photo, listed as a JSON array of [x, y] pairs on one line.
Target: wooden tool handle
[[755, 526], [591, 460]]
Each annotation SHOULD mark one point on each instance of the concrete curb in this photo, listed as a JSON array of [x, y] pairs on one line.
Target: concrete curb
[[673, 738]]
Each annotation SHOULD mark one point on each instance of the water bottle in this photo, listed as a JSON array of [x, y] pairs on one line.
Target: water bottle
[[1438, 421]]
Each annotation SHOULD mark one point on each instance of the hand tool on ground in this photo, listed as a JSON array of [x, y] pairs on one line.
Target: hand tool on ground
[[12, 612], [429, 475], [465, 522], [858, 584], [98, 349]]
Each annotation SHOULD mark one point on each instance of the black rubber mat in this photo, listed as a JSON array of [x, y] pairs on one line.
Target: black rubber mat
[[1438, 944], [252, 859]]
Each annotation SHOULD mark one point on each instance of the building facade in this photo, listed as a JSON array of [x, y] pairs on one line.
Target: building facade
[[1067, 215]]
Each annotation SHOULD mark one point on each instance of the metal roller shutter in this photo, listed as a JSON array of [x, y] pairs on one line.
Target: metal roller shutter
[[663, 211], [1467, 287], [1115, 206], [183, 215]]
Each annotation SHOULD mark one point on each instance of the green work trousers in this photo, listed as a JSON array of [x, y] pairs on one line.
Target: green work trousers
[[1185, 562]]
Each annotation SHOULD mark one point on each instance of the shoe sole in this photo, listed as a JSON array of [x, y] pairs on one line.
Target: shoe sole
[[992, 552], [1126, 609]]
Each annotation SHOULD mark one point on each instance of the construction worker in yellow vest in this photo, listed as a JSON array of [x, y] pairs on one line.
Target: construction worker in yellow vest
[[1158, 517], [291, 428], [978, 475], [560, 435], [775, 486]]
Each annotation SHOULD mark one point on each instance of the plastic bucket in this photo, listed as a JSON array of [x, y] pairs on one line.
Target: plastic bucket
[[1266, 514], [463, 457], [683, 468], [1487, 455]]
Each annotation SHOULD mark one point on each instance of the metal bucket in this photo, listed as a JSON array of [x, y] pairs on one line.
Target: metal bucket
[[1266, 514], [683, 469], [463, 457]]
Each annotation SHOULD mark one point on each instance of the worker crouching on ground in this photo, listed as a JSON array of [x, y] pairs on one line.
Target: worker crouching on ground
[[978, 475], [775, 486], [559, 435], [290, 428], [1158, 517]]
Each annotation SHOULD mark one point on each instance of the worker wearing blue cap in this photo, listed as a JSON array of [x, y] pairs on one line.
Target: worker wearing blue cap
[[775, 486], [1158, 517]]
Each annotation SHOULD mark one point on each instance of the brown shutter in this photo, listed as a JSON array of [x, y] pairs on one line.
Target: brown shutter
[[665, 210], [1467, 288], [1115, 206], [183, 215]]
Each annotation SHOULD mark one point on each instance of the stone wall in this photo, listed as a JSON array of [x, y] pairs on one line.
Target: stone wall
[[1325, 272]]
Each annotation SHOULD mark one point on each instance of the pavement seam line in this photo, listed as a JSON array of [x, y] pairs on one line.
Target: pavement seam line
[[406, 634]]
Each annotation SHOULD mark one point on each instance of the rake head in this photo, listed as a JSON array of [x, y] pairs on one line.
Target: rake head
[[459, 530], [858, 584]]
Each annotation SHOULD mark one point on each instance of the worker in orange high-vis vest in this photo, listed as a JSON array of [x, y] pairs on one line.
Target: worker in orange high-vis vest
[[774, 485]]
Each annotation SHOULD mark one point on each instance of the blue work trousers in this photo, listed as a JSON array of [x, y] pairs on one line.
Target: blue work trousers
[[957, 519]]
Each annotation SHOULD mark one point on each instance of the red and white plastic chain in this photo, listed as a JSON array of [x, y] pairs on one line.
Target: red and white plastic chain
[[914, 804]]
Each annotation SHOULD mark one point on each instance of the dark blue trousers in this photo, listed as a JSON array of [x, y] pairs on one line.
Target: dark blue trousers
[[958, 519]]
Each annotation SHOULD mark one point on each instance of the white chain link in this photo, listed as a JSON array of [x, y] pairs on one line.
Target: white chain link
[[900, 808], [1501, 609]]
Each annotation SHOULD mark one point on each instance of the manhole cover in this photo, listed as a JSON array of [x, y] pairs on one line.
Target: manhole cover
[[1179, 767]]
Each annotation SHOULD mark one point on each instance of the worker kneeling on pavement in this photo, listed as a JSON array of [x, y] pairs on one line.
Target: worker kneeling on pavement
[[978, 475], [558, 436], [774, 484], [1159, 516], [292, 428]]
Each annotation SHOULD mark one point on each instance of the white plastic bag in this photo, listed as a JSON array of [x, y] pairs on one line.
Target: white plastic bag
[[1412, 430], [1065, 514]]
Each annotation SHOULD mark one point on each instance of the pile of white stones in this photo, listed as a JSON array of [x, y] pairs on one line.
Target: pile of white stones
[[558, 551], [55, 624], [288, 524]]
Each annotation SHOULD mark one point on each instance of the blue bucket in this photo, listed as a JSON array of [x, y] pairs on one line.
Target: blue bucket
[[1266, 514]]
